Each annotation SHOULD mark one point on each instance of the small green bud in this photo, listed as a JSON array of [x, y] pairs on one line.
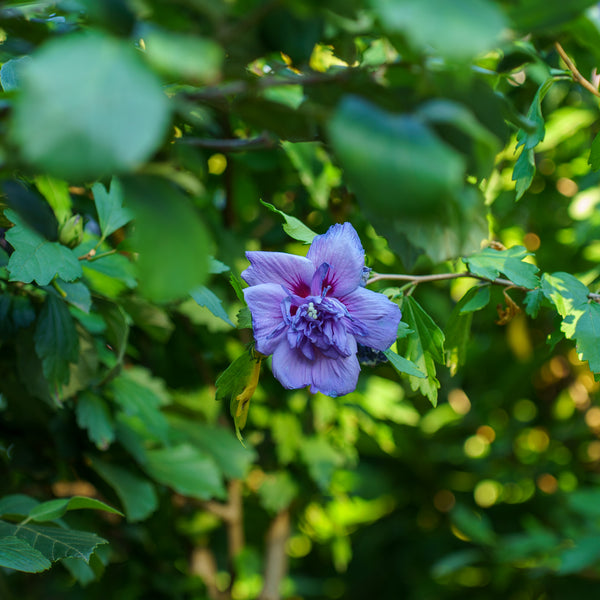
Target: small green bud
[[71, 232]]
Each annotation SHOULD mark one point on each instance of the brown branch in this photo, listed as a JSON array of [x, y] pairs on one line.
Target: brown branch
[[203, 564], [416, 279], [276, 559], [576, 74]]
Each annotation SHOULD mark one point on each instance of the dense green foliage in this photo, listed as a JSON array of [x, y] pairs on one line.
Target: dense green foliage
[[146, 146]]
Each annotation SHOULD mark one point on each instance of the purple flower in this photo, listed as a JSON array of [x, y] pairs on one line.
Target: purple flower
[[310, 313]]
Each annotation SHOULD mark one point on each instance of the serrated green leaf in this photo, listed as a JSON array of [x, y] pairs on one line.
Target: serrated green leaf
[[37, 259], [293, 227], [109, 205], [187, 470], [17, 554], [56, 192], [403, 365], [533, 302], [56, 340], [93, 416], [244, 318], [480, 299], [586, 322], [205, 297], [489, 263], [85, 371], [424, 347], [564, 291], [137, 494], [523, 172], [54, 509], [530, 139], [54, 542], [216, 266]]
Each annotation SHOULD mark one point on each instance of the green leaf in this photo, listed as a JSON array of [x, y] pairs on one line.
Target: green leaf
[[16, 505], [17, 554], [93, 415], [533, 302], [77, 293], [37, 259], [140, 400], [458, 30], [524, 170], [56, 340], [403, 365], [56, 192], [458, 333], [187, 470], [586, 322], [564, 291], [315, 169], [244, 318], [539, 15], [187, 57], [424, 347], [387, 159], [480, 299], [295, 228], [205, 297], [594, 159], [109, 205], [88, 107], [322, 460], [489, 263], [277, 491], [10, 73], [233, 459], [163, 213], [54, 542], [474, 525], [137, 494], [585, 554], [84, 372], [54, 509]]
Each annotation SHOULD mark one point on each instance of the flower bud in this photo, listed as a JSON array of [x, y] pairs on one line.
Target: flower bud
[[71, 232]]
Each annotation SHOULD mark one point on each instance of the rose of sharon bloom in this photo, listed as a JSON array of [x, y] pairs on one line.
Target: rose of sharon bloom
[[310, 313]]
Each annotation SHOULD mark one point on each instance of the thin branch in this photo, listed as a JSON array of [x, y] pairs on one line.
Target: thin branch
[[276, 559], [264, 82], [262, 142], [203, 564], [576, 74], [416, 279]]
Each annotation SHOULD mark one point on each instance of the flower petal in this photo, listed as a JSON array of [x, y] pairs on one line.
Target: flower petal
[[341, 249], [379, 315], [264, 302], [293, 272], [330, 376]]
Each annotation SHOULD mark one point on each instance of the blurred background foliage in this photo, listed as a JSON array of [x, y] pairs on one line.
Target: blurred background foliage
[[137, 140]]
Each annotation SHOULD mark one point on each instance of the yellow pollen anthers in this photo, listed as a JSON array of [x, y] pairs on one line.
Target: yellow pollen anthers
[[311, 311]]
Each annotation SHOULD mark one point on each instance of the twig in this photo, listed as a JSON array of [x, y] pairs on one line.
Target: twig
[[416, 279], [262, 142], [576, 74], [264, 82], [276, 559]]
